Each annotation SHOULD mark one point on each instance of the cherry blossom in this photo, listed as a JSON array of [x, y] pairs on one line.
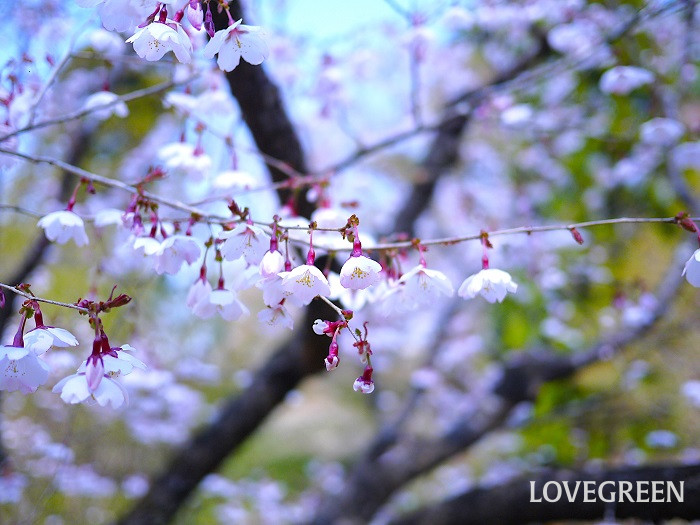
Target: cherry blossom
[[271, 264], [306, 282], [157, 38], [423, 286], [185, 160], [490, 283], [175, 251], [364, 384], [63, 226], [360, 272], [48, 336], [122, 363], [663, 132], [21, 369], [236, 41], [622, 80], [276, 316], [102, 98], [227, 305], [74, 389], [245, 240], [121, 15], [691, 270]]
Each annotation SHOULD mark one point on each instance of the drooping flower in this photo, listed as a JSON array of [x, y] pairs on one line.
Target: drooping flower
[[195, 14], [423, 285], [175, 251], [306, 282], [245, 240], [75, 389], [663, 132], [63, 226], [364, 384], [157, 38], [691, 270], [492, 284], [21, 369], [360, 272], [122, 363], [622, 80], [185, 160], [103, 98], [43, 337], [276, 316], [227, 305], [271, 264], [236, 41]]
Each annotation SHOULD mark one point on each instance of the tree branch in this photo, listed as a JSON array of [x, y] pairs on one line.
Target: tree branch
[[510, 504]]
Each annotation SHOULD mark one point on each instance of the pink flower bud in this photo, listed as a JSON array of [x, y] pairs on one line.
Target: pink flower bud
[[94, 372], [195, 15], [576, 235]]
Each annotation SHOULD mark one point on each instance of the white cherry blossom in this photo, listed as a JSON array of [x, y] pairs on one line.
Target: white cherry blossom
[[42, 338], [424, 286], [123, 364], [691, 270], [157, 38], [102, 98], [74, 389], [306, 282], [185, 160], [490, 283], [236, 41], [227, 305], [245, 240], [63, 226], [21, 369], [276, 316], [175, 251], [360, 272], [271, 264], [622, 80]]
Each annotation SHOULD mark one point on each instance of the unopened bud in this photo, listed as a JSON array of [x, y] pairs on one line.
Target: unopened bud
[[576, 235]]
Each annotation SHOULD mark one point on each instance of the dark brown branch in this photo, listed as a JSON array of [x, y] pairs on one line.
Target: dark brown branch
[[510, 504]]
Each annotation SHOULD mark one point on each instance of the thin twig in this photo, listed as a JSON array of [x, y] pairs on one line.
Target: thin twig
[[26, 295], [128, 97]]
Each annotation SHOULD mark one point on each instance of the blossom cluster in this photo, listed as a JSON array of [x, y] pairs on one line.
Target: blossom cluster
[[23, 369], [159, 28]]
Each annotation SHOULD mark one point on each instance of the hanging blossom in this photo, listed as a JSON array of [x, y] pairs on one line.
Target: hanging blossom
[[421, 286], [94, 380], [236, 41], [104, 98], [691, 270], [246, 240], [175, 251], [331, 329], [158, 37], [306, 281], [490, 283], [63, 226], [206, 302], [364, 384], [359, 272], [186, 160], [44, 337], [20, 366]]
